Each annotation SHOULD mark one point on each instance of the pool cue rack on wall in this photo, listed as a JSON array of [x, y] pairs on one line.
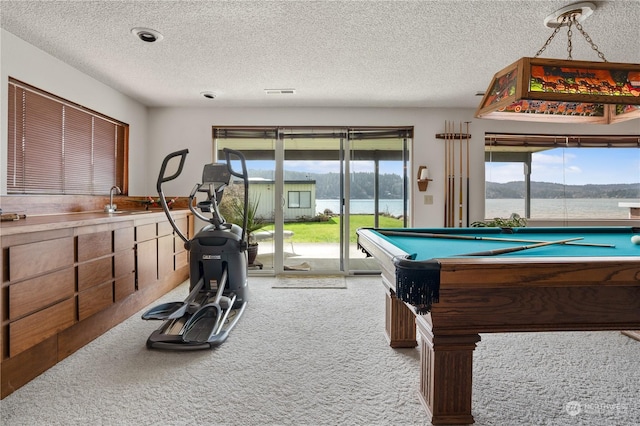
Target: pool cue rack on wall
[[456, 174]]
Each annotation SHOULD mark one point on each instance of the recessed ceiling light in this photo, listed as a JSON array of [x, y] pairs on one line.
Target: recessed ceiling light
[[280, 91], [208, 95], [147, 34]]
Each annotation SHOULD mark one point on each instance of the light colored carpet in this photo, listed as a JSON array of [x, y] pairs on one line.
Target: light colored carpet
[[309, 281], [316, 357]]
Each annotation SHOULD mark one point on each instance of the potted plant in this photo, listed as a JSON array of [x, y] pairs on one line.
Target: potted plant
[[514, 221], [232, 209]]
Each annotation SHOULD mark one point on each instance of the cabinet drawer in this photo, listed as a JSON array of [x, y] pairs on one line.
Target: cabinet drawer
[[29, 260], [94, 273], [145, 232], [124, 287], [124, 263], [123, 239], [94, 300], [93, 245], [164, 228], [29, 296], [31, 330]]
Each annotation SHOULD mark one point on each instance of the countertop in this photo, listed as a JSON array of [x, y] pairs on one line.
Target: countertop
[[72, 220]]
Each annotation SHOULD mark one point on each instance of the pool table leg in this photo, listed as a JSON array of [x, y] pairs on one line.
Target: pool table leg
[[446, 367], [400, 323]]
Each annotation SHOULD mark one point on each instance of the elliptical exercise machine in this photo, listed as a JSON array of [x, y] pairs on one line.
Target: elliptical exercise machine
[[217, 265]]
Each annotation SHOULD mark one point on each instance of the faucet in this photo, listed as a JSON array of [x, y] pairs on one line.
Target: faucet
[[111, 208]]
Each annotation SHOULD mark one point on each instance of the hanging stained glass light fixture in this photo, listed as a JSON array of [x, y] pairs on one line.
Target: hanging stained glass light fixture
[[564, 91]]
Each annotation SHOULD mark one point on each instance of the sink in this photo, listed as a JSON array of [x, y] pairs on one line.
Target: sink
[[131, 212]]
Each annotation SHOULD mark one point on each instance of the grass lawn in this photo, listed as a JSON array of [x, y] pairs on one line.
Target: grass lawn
[[329, 232]]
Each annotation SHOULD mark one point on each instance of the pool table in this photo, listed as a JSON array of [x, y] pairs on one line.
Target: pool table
[[444, 281]]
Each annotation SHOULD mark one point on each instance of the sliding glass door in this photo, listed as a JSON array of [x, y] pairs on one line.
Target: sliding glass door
[[313, 188], [316, 186], [378, 186]]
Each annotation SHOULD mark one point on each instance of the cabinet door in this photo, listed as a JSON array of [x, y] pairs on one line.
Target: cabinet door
[[124, 287], [124, 264], [147, 263], [123, 239], [165, 256]]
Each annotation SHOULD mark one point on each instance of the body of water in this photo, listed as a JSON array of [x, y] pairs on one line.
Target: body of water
[[393, 207], [575, 208], [572, 208]]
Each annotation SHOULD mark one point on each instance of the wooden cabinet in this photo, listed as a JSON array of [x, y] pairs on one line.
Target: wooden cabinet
[[41, 292], [124, 263], [147, 255], [63, 285]]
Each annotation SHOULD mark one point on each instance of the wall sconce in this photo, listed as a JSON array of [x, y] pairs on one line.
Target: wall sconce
[[423, 178]]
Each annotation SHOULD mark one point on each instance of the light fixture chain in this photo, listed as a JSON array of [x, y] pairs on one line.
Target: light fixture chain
[[569, 34], [590, 41], [550, 38]]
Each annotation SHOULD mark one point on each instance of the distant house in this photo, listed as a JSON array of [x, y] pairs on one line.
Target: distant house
[[299, 198]]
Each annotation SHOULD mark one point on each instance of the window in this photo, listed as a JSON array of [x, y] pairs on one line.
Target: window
[[299, 199], [561, 176], [58, 147]]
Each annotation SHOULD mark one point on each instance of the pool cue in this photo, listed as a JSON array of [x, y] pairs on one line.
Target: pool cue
[[448, 166], [519, 248], [471, 237], [452, 164], [446, 172], [446, 177], [467, 153], [460, 183]]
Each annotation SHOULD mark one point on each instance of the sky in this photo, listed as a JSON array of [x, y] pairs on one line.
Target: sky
[[570, 166], [573, 166]]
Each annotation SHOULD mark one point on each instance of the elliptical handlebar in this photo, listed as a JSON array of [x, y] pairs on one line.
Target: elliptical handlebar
[[162, 179], [228, 152]]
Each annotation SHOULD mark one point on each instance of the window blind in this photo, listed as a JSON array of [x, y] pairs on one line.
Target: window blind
[[58, 147]]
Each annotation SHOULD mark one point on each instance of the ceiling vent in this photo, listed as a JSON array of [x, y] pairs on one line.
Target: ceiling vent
[[280, 91]]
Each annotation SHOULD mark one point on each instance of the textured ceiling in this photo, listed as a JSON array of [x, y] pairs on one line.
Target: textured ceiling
[[333, 53]]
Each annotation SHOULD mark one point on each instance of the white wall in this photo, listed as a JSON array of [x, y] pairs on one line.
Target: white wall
[[33, 66], [172, 129]]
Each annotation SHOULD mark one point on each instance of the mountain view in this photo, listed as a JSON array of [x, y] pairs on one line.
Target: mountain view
[[328, 187], [328, 184], [556, 190]]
